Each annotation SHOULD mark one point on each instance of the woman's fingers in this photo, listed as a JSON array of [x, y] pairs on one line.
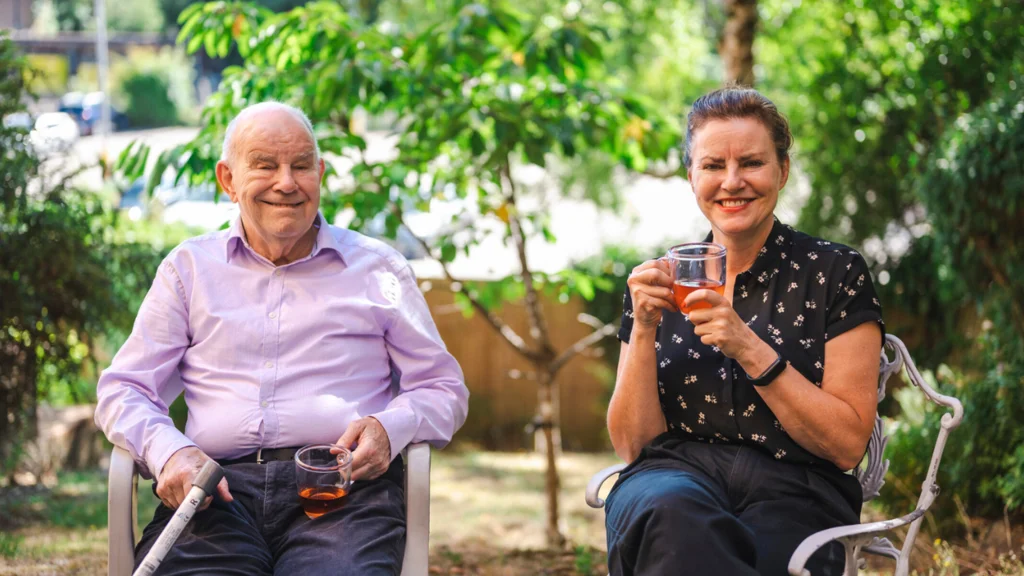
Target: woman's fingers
[[652, 273]]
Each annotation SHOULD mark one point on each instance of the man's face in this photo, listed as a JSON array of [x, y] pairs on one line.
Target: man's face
[[274, 176]]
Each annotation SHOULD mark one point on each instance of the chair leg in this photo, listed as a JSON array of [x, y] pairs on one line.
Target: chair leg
[[417, 510], [121, 513]]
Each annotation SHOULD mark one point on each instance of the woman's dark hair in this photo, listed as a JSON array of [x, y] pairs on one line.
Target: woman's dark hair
[[738, 102]]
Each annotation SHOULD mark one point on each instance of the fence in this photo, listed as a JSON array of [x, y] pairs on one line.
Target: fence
[[501, 404]]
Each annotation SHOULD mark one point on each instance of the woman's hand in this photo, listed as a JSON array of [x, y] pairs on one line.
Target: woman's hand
[[650, 287], [720, 325]]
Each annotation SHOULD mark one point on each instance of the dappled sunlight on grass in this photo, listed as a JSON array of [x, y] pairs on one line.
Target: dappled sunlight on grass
[[487, 519], [498, 499]]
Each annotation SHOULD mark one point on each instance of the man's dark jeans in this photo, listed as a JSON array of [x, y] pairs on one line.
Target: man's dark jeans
[[264, 531], [710, 509]]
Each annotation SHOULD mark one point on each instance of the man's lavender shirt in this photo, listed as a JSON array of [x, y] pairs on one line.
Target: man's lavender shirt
[[279, 356]]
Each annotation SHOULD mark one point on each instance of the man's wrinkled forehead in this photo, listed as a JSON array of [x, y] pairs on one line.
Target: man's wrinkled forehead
[[264, 136]]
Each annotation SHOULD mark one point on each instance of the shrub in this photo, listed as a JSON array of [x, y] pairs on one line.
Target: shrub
[[972, 190]]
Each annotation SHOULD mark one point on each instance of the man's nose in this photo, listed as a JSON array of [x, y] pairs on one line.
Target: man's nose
[[285, 182]]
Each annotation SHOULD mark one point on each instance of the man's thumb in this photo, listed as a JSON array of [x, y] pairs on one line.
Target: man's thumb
[[222, 490]]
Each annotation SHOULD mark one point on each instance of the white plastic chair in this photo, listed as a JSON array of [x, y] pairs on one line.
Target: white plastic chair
[[864, 537], [122, 501]]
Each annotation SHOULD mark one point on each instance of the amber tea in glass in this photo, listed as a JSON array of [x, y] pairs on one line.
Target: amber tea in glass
[[323, 474], [696, 266]]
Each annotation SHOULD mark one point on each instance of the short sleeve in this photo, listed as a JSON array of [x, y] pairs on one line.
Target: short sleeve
[[627, 317], [854, 300]]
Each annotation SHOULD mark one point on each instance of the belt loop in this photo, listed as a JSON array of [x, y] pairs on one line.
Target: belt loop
[[259, 455]]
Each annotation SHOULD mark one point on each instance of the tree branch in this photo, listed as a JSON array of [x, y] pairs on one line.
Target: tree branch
[[581, 345], [538, 326], [506, 331]]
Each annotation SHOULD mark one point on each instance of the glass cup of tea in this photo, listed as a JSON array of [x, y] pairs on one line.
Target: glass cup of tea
[[323, 474], [696, 266]]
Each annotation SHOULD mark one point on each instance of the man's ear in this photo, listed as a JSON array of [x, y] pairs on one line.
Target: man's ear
[[224, 178]]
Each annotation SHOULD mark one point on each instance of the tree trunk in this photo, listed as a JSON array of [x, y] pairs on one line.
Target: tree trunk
[[551, 483], [736, 45]]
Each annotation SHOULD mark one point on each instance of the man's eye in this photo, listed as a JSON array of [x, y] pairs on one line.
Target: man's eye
[[755, 163], [711, 166], [265, 167]]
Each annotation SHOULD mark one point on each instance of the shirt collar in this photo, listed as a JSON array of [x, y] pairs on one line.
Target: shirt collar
[[325, 239], [776, 249]]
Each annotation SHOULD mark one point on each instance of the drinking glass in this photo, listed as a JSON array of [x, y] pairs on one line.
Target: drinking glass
[[323, 473], [696, 266]]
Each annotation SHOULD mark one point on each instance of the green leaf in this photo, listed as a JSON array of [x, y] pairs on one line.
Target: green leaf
[[448, 252]]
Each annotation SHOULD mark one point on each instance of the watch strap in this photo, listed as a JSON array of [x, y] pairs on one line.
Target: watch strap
[[771, 373]]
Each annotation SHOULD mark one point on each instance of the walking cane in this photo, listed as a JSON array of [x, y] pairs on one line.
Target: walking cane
[[204, 485]]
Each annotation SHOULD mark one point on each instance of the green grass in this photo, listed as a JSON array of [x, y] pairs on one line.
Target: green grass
[[9, 544]]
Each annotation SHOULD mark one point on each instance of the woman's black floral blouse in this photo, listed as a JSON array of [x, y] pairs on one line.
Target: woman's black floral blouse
[[799, 292]]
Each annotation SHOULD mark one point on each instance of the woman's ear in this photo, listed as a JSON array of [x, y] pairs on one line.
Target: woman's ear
[[785, 173]]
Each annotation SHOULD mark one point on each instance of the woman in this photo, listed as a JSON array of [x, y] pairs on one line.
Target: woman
[[740, 419]]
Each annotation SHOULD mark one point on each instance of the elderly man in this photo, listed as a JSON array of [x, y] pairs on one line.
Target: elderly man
[[285, 331]]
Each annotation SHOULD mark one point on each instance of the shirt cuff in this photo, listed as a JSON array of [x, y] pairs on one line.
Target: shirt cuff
[[400, 425], [162, 447]]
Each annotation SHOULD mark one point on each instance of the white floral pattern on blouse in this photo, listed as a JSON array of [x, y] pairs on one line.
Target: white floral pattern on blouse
[[824, 291]]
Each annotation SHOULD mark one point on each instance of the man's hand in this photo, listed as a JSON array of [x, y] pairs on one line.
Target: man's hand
[[372, 454], [179, 472]]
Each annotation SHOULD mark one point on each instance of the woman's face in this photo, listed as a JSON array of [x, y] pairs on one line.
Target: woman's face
[[736, 175]]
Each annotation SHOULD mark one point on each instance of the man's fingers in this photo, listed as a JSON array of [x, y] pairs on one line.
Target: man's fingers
[[206, 503], [361, 455], [223, 491], [369, 470], [352, 433]]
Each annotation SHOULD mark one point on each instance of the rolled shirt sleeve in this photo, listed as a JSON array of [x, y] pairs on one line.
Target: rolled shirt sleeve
[[432, 399], [134, 392]]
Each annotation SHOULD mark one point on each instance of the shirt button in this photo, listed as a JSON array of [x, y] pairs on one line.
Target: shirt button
[[273, 314], [277, 272], [264, 403], [269, 364]]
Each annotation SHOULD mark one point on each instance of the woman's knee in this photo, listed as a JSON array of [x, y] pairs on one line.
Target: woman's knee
[[669, 497]]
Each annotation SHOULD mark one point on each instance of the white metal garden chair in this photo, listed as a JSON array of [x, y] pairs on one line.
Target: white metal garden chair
[[864, 537], [122, 500]]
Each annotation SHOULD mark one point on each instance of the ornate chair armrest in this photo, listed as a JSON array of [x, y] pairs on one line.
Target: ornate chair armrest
[[121, 513], [417, 509], [594, 486], [854, 535]]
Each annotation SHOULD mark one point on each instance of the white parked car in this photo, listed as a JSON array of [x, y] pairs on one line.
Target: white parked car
[[54, 133]]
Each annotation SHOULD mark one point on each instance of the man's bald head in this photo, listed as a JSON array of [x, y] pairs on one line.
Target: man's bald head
[[254, 112]]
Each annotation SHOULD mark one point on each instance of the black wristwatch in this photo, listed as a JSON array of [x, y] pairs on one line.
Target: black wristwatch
[[769, 375]]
